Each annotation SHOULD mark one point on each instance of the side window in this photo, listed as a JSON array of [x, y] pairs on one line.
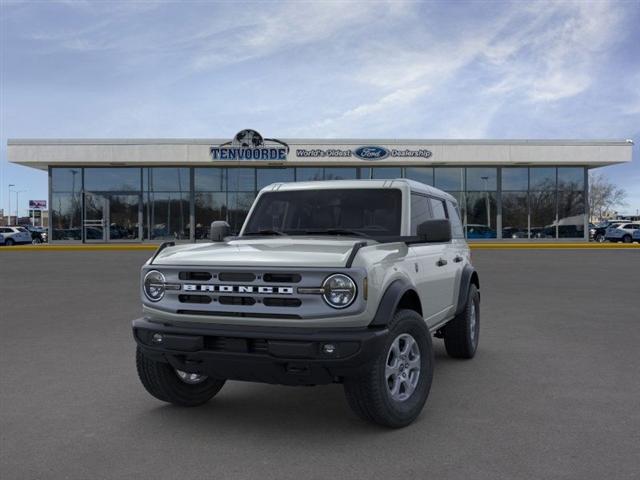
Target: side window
[[437, 207], [420, 211], [456, 223]]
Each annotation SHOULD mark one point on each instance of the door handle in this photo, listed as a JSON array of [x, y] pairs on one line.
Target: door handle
[[457, 259], [441, 263]]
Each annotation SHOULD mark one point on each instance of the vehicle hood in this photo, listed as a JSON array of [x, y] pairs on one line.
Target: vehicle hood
[[272, 252]]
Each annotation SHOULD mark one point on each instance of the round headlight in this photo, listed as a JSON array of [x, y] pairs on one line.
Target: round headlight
[[154, 285], [339, 291]]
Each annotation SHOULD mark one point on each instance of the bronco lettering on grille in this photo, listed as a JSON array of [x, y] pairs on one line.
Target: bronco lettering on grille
[[188, 287]]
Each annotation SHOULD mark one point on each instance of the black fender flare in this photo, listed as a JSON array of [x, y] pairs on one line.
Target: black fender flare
[[389, 302], [469, 276]]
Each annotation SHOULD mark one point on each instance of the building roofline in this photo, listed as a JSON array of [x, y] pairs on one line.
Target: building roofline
[[316, 141]]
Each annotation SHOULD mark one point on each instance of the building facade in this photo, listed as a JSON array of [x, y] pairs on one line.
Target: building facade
[[152, 190]]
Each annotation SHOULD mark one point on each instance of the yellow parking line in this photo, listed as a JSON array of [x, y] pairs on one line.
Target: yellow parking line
[[553, 246]]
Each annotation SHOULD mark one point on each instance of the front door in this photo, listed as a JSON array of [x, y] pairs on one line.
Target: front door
[[112, 217]]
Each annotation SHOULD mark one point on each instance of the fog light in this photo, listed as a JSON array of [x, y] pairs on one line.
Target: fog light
[[328, 348], [157, 338]]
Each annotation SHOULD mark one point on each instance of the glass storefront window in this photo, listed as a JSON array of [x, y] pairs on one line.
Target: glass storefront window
[[571, 178], [482, 179], [542, 178], [481, 215], [309, 174], [515, 215], [340, 173], [543, 214], [515, 179], [66, 218], [209, 207], [420, 174], [210, 179], [241, 179], [381, 172], [267, 176], [66, 179], [167, 216], [571, 211], [112, 179], [449, 179], [166, 179], [239, 204]]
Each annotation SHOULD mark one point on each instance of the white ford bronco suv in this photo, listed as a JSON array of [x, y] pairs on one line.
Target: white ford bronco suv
[[327, 282]]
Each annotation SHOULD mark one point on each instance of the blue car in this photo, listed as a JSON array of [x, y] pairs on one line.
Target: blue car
[[480, 231]]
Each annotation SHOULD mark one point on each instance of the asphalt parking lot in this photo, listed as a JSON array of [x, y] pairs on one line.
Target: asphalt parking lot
[[552, 393]]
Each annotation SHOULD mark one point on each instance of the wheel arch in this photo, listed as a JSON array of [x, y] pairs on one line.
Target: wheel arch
[[399, 294], [469, 277]]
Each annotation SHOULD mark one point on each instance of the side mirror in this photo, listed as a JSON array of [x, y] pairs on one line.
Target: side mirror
[[219, 230], [435, 231]]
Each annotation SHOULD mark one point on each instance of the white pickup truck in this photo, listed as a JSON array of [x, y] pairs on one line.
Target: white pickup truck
[[327, 282]]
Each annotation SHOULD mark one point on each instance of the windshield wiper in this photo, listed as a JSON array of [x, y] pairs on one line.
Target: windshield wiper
[[265, 232], [336, 231]]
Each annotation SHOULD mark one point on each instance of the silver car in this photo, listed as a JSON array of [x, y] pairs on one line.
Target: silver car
[[622, 232], [15, 235]]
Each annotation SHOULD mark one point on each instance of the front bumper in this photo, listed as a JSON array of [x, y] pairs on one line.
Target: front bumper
[[278, 355]]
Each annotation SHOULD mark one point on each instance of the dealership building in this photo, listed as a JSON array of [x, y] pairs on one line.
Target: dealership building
[[133, 190]]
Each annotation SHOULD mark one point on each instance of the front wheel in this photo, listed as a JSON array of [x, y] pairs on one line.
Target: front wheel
[[599, 238], [175, 386], [9, 242], [394, 387], [36, 241], [462, 333], [626, 239]]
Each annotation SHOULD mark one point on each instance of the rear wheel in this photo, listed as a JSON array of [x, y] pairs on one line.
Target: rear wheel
[[462, 333], [626, 239], [9, 241], [394, 387], [175, 386]]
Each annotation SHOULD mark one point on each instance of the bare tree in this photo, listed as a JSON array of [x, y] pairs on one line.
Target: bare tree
[[604, 196]]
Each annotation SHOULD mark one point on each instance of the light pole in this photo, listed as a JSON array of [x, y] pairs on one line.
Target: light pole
[[18, 192], [9, 214]]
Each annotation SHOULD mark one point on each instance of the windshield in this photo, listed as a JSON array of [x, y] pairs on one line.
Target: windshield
[[374, 212]]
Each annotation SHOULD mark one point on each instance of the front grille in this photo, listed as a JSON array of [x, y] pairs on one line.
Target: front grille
[[194, 298], [282, 302], [195, 276], [228, 300], [236, 277], [282, 277]]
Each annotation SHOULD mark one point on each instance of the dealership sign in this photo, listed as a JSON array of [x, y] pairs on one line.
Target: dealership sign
[[250, 145], [38, 204], [366, 152]]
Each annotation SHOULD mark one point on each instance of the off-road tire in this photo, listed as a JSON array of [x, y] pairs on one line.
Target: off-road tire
[[162, 381], [458, 339], [368, 395]]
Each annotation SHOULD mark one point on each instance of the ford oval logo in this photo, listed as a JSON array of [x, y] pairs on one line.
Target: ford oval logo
[[371, 153]]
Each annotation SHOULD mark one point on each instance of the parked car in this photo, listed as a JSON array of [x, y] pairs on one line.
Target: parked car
[[15, 235], [635, 236], [480, 231], [514, 232], [1, 239], [38, 234], [622, 232], [599, 231]]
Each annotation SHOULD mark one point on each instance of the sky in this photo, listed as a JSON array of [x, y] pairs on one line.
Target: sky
[[375, 69]]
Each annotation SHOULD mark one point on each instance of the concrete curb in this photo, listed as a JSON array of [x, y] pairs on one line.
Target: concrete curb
[[474, 246]]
